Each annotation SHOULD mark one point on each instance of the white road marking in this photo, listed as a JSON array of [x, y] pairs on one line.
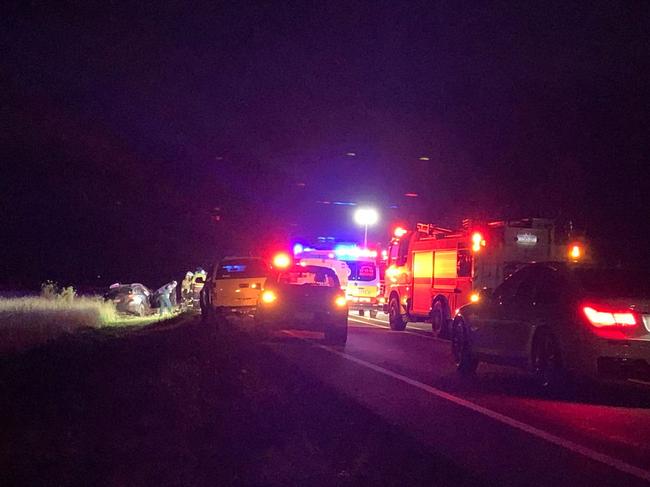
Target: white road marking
[[501, 418], [387, 327]]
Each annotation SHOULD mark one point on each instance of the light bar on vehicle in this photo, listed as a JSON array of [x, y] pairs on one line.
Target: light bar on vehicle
[[353, 252]]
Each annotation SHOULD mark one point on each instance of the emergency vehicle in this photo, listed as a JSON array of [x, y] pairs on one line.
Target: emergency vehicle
[[325, 258], [364, 290], [432, 271]]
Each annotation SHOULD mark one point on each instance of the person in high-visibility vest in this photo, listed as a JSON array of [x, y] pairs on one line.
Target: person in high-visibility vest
[[186, 288]]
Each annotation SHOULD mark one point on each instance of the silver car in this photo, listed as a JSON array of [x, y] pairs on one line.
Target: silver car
[[560, 321]]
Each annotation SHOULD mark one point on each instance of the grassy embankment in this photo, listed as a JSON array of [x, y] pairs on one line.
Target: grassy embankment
[[30, 321]]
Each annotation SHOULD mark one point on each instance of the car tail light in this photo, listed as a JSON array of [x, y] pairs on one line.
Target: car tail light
[[340, 301], [268, 297], [605, 318]]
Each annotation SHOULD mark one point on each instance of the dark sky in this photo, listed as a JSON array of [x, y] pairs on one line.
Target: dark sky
[[125, 125]]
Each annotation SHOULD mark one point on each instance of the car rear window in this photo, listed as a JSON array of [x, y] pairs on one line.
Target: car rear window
[[614, 282], [309, 277], [362, 271], [241, 269]]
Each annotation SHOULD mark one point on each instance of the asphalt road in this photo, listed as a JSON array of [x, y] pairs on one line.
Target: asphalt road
[[496, 424]]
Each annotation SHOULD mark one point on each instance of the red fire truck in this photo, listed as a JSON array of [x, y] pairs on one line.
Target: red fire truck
[[432, 271]]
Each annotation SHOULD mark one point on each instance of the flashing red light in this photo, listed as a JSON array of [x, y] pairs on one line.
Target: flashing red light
[[477, 241], [281, 260], [399, 232], [600, 319]]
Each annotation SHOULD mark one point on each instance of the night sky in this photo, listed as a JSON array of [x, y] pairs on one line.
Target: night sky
[[125, 126]]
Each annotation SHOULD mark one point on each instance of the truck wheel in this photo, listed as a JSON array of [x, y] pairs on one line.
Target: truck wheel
[[440, 319], [395, 318], [461, 348], [362, 312], [373, 313]]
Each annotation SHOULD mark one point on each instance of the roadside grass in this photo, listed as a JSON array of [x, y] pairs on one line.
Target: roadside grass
[[26, 322]]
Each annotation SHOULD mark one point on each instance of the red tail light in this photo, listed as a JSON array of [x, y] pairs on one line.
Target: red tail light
[[604, 318]]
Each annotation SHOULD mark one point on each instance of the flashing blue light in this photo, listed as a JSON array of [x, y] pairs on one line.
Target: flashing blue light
[[298, 249], [346, 251]]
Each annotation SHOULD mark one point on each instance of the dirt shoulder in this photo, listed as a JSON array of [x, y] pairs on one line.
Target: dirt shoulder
[[182, 405]]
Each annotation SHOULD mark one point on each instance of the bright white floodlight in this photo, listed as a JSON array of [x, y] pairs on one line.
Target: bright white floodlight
[[366, 217]]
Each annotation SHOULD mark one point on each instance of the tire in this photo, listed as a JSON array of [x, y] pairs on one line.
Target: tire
[[336, 335], [395, 318], [546, 361], [440, 320], [373, 313], [461, 348], [361, 312], [142, 310]]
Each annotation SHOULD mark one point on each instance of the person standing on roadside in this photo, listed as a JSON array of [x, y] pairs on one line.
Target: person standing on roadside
[[172, 293], [164, 297]]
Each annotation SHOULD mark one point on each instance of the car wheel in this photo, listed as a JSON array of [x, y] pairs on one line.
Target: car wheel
[[335, 335], [546, 361], [361, 312], [373, 313], [142, 311], [395, 318], [461, 348]]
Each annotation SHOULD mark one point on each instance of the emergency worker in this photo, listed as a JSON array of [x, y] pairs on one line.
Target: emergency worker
[[198, 281], [186, 288]]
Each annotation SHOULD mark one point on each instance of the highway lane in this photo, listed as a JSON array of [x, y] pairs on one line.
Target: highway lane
[[600, 431]]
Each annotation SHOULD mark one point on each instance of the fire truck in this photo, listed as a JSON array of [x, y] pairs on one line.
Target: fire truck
[[432, 271]]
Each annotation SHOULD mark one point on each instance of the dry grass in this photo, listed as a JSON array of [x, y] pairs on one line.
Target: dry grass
[[29, 321]]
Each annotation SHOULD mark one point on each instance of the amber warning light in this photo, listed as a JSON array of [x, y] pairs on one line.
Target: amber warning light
[[477, 241], [576, 251]]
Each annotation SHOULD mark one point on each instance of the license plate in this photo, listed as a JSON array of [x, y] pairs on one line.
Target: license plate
[[304, 316]]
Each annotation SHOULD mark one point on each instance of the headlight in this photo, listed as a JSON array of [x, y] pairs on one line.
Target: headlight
[[340, 301], [268, 297]]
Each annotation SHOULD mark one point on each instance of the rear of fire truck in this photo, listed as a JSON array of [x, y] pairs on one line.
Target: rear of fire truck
[[433, 270]]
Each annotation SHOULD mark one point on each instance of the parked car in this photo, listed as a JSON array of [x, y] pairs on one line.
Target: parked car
[[560, 321], [233, 287], [305, 297], [132, 298]]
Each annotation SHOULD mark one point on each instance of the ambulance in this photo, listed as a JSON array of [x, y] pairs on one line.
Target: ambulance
[[364, 287]]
